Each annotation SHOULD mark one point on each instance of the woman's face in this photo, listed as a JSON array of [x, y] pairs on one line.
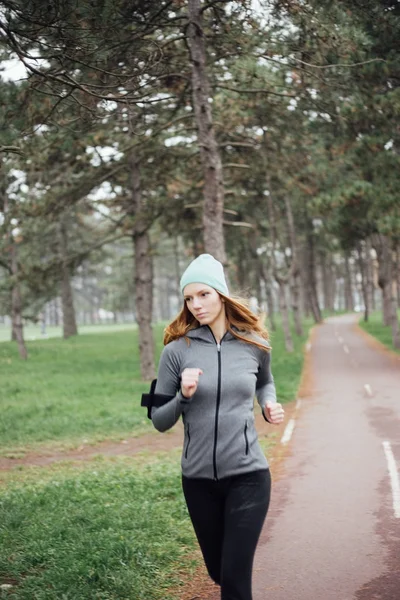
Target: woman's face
[[204, 303]]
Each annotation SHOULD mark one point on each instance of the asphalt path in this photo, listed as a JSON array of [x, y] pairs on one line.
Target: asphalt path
[[333, 529]]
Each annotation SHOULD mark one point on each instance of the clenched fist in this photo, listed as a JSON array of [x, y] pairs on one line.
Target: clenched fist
[[274, 412], [189, 381]]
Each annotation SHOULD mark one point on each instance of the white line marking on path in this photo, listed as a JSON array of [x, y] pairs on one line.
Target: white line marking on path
[[287, 434], [308, 346], [394, 478], [368, 389], [340, 339], [346, 349], [298, 403]]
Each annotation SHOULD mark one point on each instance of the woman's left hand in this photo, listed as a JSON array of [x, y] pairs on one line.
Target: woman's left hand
[[274, 412]]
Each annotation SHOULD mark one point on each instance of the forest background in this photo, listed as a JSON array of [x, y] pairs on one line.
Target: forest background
[[140, 134]]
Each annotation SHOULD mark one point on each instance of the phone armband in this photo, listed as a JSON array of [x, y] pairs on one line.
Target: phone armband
[[152, 399]]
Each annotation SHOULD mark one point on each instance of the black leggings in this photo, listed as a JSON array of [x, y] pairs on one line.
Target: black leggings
[[228, 516]]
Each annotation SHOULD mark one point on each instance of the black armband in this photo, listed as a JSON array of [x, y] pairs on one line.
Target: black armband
[[151, 399]]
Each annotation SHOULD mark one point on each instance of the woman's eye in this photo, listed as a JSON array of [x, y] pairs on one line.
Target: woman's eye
[[205, 293]]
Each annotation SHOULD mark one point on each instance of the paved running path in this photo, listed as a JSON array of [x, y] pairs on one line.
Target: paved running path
[[332, 532]]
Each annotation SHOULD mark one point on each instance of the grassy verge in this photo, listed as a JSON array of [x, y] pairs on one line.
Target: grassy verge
[[287, 367], [105, 531], [33, 332], [375, 327], [111, 529], [84, 388]]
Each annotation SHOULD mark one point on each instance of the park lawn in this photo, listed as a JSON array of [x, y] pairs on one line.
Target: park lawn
[[33, 331], [375, 327], [105, 530], [88, 388]]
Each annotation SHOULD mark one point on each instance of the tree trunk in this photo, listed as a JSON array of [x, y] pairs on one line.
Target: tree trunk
[[213, 232], [383, 250], [261, 279], [17, 329], [328, 280], [397, 274], [143, 275], [16, 305], [178, 267], [243, 271], [55, 312], [362, 264], [304, 298], [267, 277], [67, 299], [348, 287], [311, 275], [394, 322], [258, 284], [294, 271], [144, 303], [285, 317], [383, 247], [295, 284], [390, 295], [369, 264]]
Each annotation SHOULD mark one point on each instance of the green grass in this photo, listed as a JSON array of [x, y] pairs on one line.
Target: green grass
[[287, 367], [375, 327], [87, 387], [104, 532], [33, 332]]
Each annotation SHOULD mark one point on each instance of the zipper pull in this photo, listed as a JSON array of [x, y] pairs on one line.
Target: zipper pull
[[219, 347]]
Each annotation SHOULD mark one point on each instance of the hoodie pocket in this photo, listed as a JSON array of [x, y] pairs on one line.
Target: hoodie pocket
[[188, 440], [246, 439]]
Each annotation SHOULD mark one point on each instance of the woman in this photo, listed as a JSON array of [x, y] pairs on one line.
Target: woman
[[216, 359]]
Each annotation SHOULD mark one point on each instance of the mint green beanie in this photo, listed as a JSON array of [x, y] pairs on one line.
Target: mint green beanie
[[205, 269]]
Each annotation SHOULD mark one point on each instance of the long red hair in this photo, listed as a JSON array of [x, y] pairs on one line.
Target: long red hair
[[240, 320]]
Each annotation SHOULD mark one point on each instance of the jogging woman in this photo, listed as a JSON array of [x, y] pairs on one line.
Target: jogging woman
[[216, 360]]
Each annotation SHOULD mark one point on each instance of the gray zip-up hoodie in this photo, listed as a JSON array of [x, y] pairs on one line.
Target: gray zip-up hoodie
[[220, 437]]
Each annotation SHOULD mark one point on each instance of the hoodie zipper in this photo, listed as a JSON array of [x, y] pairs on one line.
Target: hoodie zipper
[[217, 413], [217, 405]]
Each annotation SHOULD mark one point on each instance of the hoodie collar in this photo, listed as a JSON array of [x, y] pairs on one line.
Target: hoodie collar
[[205, 334]]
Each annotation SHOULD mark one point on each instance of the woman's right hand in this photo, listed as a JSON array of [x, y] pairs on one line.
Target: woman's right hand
[[189, 381]]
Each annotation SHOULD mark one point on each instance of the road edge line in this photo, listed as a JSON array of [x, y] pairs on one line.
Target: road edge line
[[287, 434], [394, 477]]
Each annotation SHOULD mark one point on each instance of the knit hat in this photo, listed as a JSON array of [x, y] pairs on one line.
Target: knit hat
[[205, 269]]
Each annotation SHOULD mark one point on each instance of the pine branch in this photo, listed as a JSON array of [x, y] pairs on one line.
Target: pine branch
[[11, 149], [253, 91]]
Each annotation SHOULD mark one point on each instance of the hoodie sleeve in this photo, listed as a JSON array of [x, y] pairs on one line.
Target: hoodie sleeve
[[168, 384], [265, 387]]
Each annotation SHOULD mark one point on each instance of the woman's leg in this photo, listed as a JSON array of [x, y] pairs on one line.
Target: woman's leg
[[246, 506], [205, 504]]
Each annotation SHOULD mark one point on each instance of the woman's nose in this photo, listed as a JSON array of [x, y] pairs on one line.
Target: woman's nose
[[196, 302]]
